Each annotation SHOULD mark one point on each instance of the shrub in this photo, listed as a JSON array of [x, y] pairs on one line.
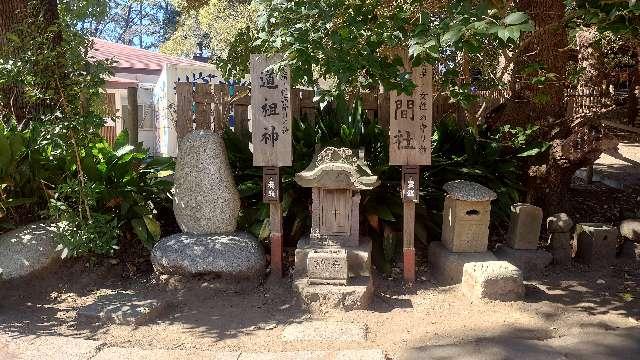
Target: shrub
[[123, 190]]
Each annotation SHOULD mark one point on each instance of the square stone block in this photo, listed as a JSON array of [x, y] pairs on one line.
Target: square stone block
[[327, 266], [465, 225], [596, 244], [358, 258], [530, 262], [446, 266], [492, 280], [524, 227]]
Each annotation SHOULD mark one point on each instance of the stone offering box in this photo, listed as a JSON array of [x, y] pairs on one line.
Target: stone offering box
[[334, 254], [466, 215]]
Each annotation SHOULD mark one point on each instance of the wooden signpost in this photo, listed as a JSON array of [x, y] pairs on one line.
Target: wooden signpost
[[271, 138], [410, 147]]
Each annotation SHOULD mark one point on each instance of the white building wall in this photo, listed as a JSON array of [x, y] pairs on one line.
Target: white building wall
[[164, 97]]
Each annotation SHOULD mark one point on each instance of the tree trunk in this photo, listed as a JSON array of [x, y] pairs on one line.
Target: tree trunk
[[12, 15], [575, 142]]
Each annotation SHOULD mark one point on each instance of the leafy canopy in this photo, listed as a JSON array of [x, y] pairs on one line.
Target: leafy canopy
[[349, 44]]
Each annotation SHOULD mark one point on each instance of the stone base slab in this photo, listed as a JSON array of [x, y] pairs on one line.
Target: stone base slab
[[358, 258], [446, 266], [121, 308], [325, 298], [238, 256], [530, 262], [492, 280], [325, 331]]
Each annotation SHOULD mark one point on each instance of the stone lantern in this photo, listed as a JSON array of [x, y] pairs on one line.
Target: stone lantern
[[465, 231], [334, 254], [466, 215]]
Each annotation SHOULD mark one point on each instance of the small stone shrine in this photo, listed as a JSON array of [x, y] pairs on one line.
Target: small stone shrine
[[206, 204], [333, 264], [465, 231], [521, 247]]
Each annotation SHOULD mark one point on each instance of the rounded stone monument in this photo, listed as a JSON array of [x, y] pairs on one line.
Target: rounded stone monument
[[206, 200], [206, 205]]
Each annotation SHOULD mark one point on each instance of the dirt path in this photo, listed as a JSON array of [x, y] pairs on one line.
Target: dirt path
[[564, 302]]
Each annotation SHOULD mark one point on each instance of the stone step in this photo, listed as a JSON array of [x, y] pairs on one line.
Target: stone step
[[325, 331]]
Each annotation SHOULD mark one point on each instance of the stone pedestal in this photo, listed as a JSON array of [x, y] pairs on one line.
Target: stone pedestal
[[446, 266], [321, 289], [596, 244], [561, 251], [559, 228], [492, 280], [524, 227], [530, 262]]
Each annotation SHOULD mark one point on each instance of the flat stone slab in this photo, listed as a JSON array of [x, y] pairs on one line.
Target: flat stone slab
[[530, 262], [47, 348], [370, 354], [446, 266], [492, 280], [121, 308], [116, 353], [27, 249], [325, 298], [325, 331], [236, 256]]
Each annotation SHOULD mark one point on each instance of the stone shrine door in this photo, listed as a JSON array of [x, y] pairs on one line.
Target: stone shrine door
[[336, 212]]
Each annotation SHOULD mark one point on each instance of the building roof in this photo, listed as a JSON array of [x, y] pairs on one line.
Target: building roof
[[114, 82], [133, 59]]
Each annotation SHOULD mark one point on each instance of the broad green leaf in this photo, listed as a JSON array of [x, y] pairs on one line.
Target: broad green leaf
[[515, 18], [153, 226], [140, 229]]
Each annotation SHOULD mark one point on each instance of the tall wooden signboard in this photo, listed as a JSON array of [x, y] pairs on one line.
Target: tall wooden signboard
[[410, 147], [271, 138]]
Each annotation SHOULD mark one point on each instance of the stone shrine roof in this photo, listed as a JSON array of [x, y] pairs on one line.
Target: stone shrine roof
[[337, 168], [468, 191]]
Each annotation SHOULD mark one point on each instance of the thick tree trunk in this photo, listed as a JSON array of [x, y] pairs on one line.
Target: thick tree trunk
[[575, 142], [29, 19], [542, 53], [12, 15]]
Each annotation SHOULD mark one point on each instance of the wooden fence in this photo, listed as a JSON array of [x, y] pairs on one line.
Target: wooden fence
[[109, 134], [214, 104]]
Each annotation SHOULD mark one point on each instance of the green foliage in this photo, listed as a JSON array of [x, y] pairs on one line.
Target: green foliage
[[494, 159], [349, 43], [53, 161], [123, 188]]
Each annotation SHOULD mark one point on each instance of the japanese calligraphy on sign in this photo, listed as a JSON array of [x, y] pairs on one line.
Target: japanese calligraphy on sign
[[410, 183], [271, 112], [270, 184], [410, 119]]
